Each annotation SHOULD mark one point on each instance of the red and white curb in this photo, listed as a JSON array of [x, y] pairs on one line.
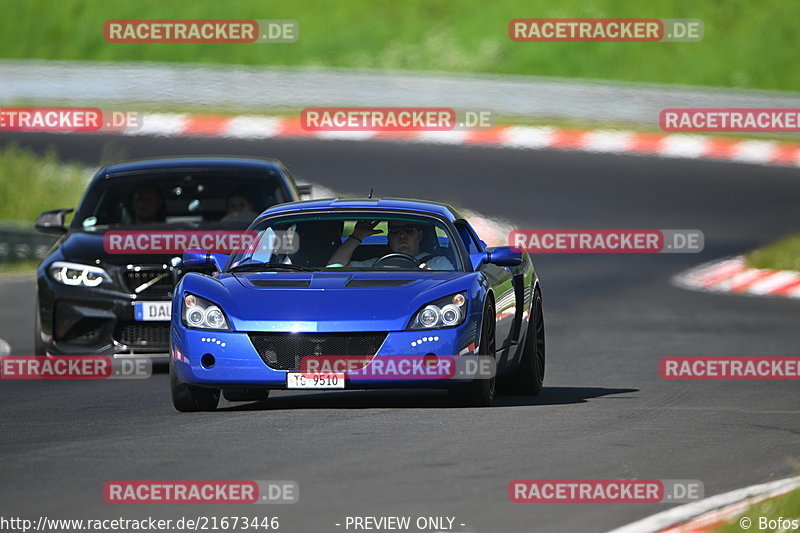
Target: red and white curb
[[734, 277], [709, 514], [682, 146]]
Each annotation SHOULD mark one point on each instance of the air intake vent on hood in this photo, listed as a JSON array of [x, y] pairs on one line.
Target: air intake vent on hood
[[280, 282], [379, 282]]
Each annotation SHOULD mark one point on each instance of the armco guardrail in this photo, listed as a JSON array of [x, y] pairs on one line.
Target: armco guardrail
[[20, 242]]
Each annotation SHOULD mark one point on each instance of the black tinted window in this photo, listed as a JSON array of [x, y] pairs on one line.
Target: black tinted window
[[179, 197]]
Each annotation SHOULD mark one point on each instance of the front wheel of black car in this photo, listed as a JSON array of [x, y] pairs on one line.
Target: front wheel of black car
[[38, 345], [245, 395], [528, 378], [188, 398], [480, 392]]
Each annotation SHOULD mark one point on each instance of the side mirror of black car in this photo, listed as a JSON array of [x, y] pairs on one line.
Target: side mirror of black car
[[52, 221], [304, 190]]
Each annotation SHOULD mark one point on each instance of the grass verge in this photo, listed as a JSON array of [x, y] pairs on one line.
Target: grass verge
[[746, 44], [782, 255], [31, 183], [20, 268], [783, 508]]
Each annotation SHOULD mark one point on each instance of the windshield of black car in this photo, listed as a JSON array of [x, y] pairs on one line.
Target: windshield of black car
[[197, 198], [328, 241]]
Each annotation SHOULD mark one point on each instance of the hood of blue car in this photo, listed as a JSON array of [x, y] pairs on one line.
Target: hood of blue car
[[329, 301]]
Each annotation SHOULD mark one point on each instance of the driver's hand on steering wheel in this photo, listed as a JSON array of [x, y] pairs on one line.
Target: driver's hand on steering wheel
[[365, 228]]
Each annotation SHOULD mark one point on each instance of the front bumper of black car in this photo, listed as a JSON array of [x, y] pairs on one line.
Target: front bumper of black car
[[77, 320]]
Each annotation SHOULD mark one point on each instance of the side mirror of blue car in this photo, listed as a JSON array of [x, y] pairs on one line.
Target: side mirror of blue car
[[504, 256], [500, 256], [478, 259], [199, 259], [195, 259], [218, 261]]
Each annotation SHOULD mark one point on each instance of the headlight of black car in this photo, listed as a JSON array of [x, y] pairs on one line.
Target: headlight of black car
[[446, 312], [78, 275], [199, 313]]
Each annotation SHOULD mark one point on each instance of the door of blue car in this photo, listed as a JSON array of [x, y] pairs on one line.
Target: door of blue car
[[501, 281]]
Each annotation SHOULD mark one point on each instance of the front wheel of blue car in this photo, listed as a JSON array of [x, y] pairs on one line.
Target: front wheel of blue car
[[528, 377], [188, 398], [480, 392]]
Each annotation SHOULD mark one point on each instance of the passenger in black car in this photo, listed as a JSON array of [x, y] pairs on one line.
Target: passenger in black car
[[148, 204]]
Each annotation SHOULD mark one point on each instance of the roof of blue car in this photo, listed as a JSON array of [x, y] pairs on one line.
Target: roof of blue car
[[401, 204], [172, 163]]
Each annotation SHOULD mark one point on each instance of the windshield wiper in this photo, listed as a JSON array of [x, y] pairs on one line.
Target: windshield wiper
[[262, 267]]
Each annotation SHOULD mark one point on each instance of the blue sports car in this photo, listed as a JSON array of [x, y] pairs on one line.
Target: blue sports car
[[384, 281]]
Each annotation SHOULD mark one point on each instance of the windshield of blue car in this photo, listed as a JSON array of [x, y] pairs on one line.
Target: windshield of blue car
[[198, 198], [404, 242]]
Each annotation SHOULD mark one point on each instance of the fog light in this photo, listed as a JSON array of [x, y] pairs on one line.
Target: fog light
[[207, 360]]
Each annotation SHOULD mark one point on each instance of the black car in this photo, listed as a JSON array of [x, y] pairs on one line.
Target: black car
[[91, 301]]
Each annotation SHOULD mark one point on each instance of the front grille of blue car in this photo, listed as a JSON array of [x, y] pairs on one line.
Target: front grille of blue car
[[283, 351]]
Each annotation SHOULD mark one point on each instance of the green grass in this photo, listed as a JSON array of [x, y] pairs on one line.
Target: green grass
[[746, 44], [786, 506], [30, 183], [22, 267], [782, 255]]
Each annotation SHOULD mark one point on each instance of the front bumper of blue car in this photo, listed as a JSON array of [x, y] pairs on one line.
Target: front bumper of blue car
[[233, 359]]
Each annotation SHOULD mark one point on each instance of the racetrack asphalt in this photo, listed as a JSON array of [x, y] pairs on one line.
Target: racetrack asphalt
[[604, 412]]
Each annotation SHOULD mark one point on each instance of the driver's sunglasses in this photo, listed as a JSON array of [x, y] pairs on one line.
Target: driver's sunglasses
[[408, 228]]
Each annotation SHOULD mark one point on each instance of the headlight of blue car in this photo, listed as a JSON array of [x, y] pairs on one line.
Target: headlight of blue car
[[199, 313], [446, 312], [78, 275]]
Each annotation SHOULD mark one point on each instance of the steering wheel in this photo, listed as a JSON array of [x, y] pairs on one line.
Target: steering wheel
[[397, 259]]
